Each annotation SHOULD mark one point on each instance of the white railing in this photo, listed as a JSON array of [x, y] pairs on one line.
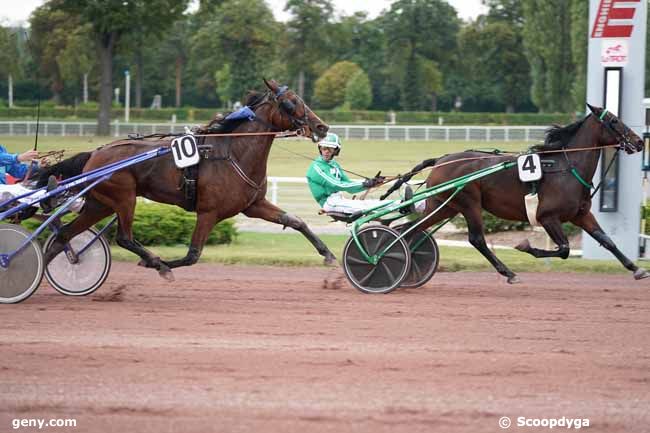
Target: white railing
[[292, 195], [360, 132]]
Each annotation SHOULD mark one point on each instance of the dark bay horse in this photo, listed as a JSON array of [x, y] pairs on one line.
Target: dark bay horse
[[562, 197], [231, 179]]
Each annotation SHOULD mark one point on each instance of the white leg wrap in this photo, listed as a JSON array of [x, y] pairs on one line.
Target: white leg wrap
[[532, 202]]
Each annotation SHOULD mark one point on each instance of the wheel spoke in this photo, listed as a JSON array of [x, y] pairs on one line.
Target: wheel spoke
[[416, 271], [358, 261], [388, 271], [369, 244], [368, 276], [395, 255]]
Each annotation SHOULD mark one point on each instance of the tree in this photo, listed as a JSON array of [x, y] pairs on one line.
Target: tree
[[432, 81], [418, 30], [551, 62], [77, 59], [308, 41], [362, 41], [50, 29], [329, 90], [241, 37], [494, 66], [358, 92], [110, 21], [10, 66], [579, 49]]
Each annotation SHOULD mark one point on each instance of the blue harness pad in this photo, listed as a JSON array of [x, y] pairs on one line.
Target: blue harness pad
[[243, 113]]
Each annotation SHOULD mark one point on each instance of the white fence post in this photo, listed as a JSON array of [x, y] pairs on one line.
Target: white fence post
[[274, 190]]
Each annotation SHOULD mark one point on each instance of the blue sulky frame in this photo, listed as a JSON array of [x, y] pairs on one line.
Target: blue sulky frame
[[91, 178]]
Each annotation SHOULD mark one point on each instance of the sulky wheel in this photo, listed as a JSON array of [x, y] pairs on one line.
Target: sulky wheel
[[391, 269], [25, 271], [83, 274], [424, 258]]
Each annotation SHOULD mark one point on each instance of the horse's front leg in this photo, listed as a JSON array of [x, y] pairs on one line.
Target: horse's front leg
[[588, 223], [554, 230], [268, 211], [204, 223]]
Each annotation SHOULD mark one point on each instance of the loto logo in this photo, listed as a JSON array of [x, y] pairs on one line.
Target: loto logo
[[614, 52], [614, 19]]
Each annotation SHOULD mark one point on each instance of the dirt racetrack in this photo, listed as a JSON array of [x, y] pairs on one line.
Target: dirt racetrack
[[264, 349]]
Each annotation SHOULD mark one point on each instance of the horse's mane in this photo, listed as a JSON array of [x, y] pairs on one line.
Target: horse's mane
[[219, 124], [253, 98], [558, 136]]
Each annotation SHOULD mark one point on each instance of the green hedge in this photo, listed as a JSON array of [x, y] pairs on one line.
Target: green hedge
[[159, 224], [494, 224], [202, 115]]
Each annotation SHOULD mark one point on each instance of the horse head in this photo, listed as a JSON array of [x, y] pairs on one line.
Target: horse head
[[617, 132], [292, 114]]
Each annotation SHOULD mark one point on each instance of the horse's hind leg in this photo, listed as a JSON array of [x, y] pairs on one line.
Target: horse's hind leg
[[554, 230], [477, 239], [125, 209], [267, 211], [91, 213], [589, 224], [204, 224]]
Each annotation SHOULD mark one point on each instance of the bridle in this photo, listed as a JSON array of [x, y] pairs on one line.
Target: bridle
[[624, 140], [288, 108]]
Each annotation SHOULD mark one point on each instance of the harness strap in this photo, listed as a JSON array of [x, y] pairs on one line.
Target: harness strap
[[575, 173], [206, 150]]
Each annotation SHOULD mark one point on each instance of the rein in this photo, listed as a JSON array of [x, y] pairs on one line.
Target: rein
[[245, 134], [580, 149]]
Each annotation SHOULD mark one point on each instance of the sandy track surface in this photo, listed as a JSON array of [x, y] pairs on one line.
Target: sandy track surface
[[229, 349]]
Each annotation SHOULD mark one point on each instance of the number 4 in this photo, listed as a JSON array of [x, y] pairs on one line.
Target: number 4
[[529, 164]]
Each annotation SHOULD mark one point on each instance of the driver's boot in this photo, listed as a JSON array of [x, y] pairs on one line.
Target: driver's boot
[[408, 194], [49, 204]]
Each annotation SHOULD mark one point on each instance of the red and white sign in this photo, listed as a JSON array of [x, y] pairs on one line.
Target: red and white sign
[[614, 52], [614, 19]]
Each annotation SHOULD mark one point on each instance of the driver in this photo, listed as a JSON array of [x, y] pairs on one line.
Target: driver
[[327, 181], [17, 166]]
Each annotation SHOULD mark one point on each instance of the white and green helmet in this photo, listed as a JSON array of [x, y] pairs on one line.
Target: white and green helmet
[[331, 140]]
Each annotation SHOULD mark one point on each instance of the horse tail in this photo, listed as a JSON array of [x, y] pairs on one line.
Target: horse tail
[[407, 176], [70, 167]]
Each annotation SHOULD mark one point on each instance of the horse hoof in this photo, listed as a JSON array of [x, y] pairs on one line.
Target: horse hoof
[[523, 245], [330, 260], [142, 263], [514, 280], [167, 275], [640, 274]]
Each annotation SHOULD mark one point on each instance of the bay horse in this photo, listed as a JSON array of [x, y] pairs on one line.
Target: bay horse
[[563, 197], [231, 178]]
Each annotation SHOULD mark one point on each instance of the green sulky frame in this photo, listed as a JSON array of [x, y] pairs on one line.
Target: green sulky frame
[[377, 212]]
